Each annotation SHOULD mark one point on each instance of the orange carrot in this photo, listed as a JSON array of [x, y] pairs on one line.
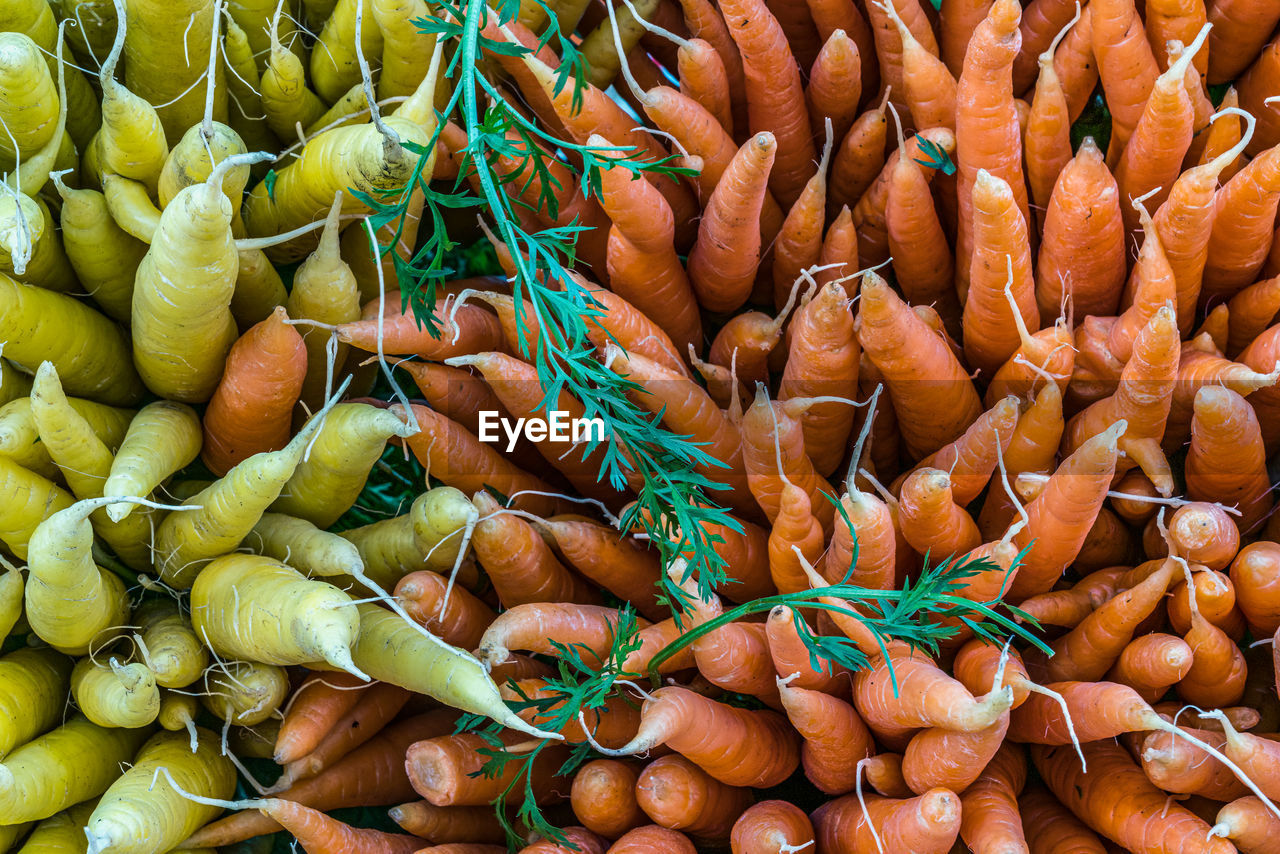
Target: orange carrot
[[651, 837], [318, 833], [796, 533], [736, 746], [791, 657], [443, 825], [374, 708], [1249, 824], [1033, 448], [926, 824], [1119, 801], [679, 795], [835, 738], [747, 341], [1051, 828], [1227, 459], [835, 86], [578, 840], [928, 85], [1215, 599], [934, 398], [858, 159], [941, 758], [1239, 32], [1217, 673], [519, 563], [315, 707], [1243, 228], [987, 123], [869, 212], [1041, 21], [775, 96], [251, 410], [889, 45], [722, 264], [1000, 256], [1254, 574], [799, 242], [1082, 253], [1204, 534], [1068, 607], [471, 329], [1203, 365], [371, 775], [823, 362], [460, 619], [604, 798], [991, 821], [932, 521], [772, 436], [1126, 65], [771, 826], [1047, 141], [1152, 664], [445, 770], [1252, 310]]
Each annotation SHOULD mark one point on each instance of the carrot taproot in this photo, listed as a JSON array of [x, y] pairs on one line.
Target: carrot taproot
[[771, 825], [774, 455], [1202, 365], [385, 328], [652, 837], [1116, 799], [1228, 471], [1240, 31], [835, 86], [1152, 664], [251, 409], [987, 124], [1252, 310], [538, 626], [1253, 574], [456, 615], [791, 656], [927, 824], [1183, 769], [835, 738], [869, 212], [1249, 824], [928, 84], [1126, 65], [991, 821], [520, 564], [941, 758], [932, 394], [858, 158], [794, 527], [604, 798], [889, 48], [679, 795], [1051, 828], [444, 769], [1242, 228], [445, 825], [932, 520], [774, 94], [319, 703], [371, 775]]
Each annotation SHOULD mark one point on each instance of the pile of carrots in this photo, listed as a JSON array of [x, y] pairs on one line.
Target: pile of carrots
[[909, 307]]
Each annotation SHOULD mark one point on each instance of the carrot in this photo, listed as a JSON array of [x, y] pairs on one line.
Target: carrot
[[537, 626], [771, 826], [641, 256], [446, 825], [1118, 800], [858, 158], [869, 212], [799, 242], [1242, 231], [1126, 64], [1152, 156], [1051, 828], [999, 244], [987, 124], [578, 840], [1076, 65], [1041, 21], [1202, 365], [928, 87], [1248, 823], [1204, 534], [1231, 471], [1239, 33], [1082, 252], [736, 746], [791, 656], [679, 795], [458, 617], [1255, 86], [774, 454], [835, 86], [794, 527], [933, 410], [723, 261], [832, 15], [316, 706], [375, 706], [651, 837], [444, 770], [775, 97], [922, 259], [385, 328], [864, 546], [1215, 599], [1047, 141], [991, 821], [250, 411], [1217, 673], [932, 521], [1180, 768], [319, 833], [604, 798], [1152, 664], [926, 824], [823, 362], [371, 775], [939, 757], [1069, 606], [1252, 310], [835, 738], [1254, 577], [889, 47]]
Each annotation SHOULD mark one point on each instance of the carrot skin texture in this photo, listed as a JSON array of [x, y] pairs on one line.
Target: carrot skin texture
[[926, 824], [769, 825]]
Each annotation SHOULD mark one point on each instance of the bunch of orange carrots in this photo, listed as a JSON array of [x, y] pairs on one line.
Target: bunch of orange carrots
[[972, 311]]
